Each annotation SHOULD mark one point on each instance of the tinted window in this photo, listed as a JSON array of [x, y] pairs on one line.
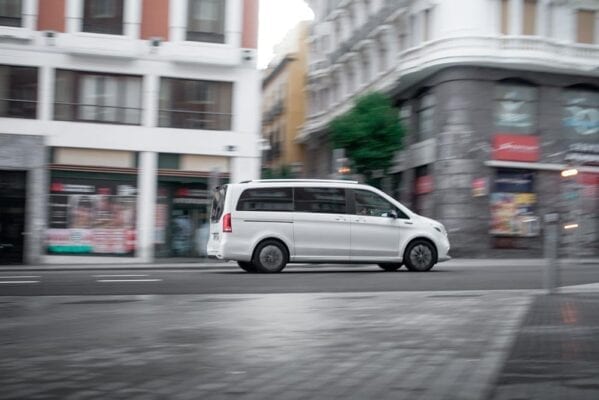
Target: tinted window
[[369, 203], [320, 200], [218, 203], [266, 199]]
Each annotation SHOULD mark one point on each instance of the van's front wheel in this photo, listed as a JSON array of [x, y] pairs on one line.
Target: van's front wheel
[[270, 257], [420, 256]]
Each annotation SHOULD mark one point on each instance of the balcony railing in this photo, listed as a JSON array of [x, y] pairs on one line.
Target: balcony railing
[[194, 120], [495, 49], [18, 108], [65, 111]]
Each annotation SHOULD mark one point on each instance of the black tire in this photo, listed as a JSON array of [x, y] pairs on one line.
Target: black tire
[[246, 266], [270, 257], [390, 267], [420, 256]]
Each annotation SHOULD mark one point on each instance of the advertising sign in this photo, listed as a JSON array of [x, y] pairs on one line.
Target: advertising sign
[[516, 148], [513, 205], [91, 218], [515, 108], [479, 187], [581, 113]]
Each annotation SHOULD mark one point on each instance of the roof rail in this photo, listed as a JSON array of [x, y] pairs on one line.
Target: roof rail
[[299, 180]]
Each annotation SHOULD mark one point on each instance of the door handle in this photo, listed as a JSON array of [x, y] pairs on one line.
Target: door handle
[[340, 219], [408, 223]]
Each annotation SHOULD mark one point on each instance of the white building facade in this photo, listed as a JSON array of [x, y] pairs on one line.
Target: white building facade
[[132, 110], [497, 96]]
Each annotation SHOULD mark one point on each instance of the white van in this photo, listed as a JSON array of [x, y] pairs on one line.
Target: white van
[[265, 224]]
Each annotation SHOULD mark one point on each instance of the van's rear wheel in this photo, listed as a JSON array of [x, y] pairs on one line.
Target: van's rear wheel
[[270, 257], [246, 266], [390, 267], [420, 256]]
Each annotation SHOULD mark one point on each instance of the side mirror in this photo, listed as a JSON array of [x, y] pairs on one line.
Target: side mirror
[[392, 214]]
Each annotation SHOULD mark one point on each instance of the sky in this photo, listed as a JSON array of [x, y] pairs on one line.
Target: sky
[[276, 18]]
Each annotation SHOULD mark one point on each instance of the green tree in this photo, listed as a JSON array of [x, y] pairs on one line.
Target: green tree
[[370, 133]]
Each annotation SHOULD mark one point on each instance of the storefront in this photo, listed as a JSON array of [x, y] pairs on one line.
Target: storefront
[[91, 213], [182, 210]]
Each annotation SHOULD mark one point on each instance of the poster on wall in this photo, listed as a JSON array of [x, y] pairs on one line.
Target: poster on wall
[[513, 214], [513, 206], [97, 218]]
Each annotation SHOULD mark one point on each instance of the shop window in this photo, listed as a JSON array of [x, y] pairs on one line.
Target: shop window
[[206, 21], [585, 26], [91, 214], [320, 200], [513, 204], [426, 114], [267, 199], [192, 104], [103, 16], [92, 97], [10, 12], [515, 107], [529, 22], [581, 113], [18, 92]]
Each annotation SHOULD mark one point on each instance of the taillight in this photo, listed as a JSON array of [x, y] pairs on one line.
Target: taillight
[[227, 227]]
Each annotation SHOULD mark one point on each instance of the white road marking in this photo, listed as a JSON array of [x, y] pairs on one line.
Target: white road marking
[[20, 277], [127, 280], [18, 282], [118, 276]]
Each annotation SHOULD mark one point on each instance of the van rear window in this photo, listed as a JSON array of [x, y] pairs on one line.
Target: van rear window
[[218, 203], [266, 199]]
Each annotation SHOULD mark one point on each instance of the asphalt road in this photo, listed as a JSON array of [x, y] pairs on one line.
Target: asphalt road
[[294, 279]]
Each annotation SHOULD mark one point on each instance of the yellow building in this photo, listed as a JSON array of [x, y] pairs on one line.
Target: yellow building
[[284, 105]]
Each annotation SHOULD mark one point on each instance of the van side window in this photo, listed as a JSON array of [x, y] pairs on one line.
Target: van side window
[[266, 199], [369, 203], [320, 200]]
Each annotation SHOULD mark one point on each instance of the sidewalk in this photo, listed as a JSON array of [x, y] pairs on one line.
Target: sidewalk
[[555, 355], [201, 263]]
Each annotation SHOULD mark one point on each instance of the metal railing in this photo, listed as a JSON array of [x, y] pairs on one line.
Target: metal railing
[[65, 111], [18, 108], [186, 119]]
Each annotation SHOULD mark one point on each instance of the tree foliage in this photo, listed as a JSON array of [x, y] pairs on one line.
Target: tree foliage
[[370, 133]]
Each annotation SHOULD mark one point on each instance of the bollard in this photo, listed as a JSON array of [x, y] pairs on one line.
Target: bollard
[[551, 275]]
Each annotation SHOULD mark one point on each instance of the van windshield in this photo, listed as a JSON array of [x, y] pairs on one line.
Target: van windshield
[[218, 203]]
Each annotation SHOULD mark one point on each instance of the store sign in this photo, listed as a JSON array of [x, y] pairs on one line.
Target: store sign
[[583, 153], [516, 148], [424, 184], [96, 218]]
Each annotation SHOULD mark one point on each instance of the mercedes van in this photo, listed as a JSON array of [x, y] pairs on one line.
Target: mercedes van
[[266, 224]]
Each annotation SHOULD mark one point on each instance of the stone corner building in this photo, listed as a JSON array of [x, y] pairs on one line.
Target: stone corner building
[[498, 97]]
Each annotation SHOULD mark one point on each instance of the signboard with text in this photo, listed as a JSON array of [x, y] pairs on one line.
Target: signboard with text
[[516, 148]]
